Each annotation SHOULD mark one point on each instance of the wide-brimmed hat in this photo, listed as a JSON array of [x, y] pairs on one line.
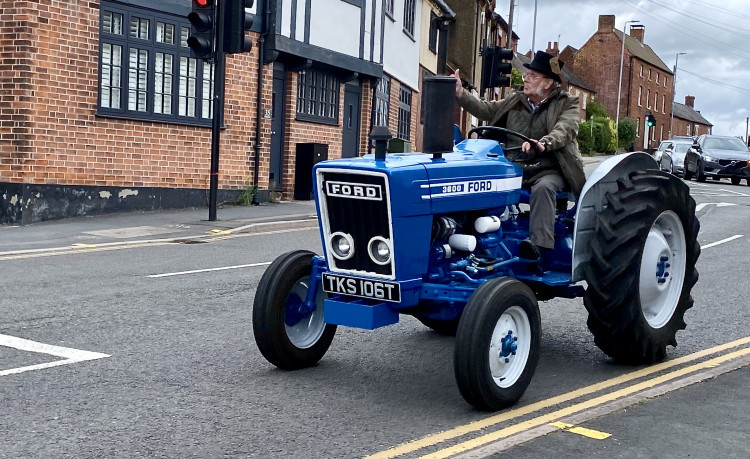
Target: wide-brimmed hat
[[546, 64]]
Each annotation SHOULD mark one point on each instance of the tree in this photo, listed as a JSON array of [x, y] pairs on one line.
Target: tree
[[516, 79], [626, 133], [596, 109]]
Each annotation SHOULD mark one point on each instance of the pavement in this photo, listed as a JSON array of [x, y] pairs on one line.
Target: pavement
[[182, 225]]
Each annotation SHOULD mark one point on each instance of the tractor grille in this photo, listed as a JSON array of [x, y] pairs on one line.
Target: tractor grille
[[357, 204]]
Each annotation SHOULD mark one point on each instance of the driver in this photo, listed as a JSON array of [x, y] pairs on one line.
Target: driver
[[541, 111]]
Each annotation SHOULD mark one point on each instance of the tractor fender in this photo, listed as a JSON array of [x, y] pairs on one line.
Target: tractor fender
[[591, 201]]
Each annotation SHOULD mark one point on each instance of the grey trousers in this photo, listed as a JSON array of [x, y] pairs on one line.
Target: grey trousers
[[542, 210]]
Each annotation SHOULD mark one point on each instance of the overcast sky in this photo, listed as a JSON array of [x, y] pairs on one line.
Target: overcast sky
[[715, 34]]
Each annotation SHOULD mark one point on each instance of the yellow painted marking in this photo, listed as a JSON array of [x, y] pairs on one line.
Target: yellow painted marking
[[80, 244], [550, 417], [456, 432], [125, 245], [590, 433], [218, 231]]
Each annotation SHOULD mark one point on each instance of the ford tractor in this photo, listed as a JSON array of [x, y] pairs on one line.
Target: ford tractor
[[436, 235]]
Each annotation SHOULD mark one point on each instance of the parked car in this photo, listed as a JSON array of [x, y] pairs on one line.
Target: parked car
[[659, 151], [673, 157], [718, 156]]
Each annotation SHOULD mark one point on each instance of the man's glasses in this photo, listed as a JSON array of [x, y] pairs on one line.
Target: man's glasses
[[531, 76]]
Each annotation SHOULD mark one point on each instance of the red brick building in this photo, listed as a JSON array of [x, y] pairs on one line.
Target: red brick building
[[103, 108], [646, 80], [688, 121]]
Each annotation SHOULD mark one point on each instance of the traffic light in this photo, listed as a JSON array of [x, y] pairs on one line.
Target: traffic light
[[236, 22], [650, 120], [495, 68], [202, 31]]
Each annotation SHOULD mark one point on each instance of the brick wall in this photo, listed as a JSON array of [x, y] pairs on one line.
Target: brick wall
[[51, 135]]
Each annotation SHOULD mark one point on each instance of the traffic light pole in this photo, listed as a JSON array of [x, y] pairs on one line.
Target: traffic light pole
[[218, 113]]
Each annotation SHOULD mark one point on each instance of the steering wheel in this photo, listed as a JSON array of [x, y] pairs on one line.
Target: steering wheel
[[481, 130]]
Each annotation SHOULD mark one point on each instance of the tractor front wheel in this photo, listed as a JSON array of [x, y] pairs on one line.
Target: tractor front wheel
[[497, 344], [642, 267], [289, 333]]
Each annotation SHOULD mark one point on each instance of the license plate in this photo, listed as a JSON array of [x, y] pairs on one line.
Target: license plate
[[363, 288]]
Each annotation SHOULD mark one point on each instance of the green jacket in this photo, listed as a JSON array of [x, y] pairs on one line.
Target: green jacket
[[555, 121]]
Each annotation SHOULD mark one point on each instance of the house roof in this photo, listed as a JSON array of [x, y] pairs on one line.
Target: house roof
[[687, 113], [642, 51], [520, 59]]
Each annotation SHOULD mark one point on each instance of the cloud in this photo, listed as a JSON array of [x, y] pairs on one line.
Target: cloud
[[713, 33]]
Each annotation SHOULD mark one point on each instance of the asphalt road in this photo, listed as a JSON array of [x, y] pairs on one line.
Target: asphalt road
[[147, 351]]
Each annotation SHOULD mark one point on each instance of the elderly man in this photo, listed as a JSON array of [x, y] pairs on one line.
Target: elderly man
[[549, 117]]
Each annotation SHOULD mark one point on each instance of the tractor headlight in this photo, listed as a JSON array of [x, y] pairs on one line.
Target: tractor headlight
[[342, 245], [380, 250]]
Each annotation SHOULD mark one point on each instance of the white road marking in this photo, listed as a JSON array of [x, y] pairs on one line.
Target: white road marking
[[700, 206], [713, 244], [68, 354], [223, 268]]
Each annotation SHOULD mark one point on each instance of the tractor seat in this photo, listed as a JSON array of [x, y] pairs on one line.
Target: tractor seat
[[562, 198]]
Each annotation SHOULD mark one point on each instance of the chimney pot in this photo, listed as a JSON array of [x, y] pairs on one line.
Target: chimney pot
[[690, 101]]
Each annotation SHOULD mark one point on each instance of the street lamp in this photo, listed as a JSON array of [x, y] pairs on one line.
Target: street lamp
[[619, 85], [674, 88]]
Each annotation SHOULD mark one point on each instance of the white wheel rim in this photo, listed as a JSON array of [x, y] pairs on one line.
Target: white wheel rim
[[662, 269], [307, 331], [506, 367]]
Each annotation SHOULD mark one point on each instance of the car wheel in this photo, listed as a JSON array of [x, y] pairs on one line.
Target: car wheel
[[642, 267], [699, 175], [289, 335], [686, 174], [497, 344], [736, 180]]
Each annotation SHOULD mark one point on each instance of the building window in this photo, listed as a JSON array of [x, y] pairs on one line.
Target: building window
[[688, 129], [388, 6], [640, 90], [146, 73], [409, 13], [649, 74], [432, 44], [585, 100], [382, 99], [404, 114], [657, 77], [656, 102], [317, 97], [663, 104], [637, 127], [641, 72], [648, 98]]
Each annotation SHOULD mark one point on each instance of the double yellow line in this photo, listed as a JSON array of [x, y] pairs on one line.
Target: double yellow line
[[555, 416]]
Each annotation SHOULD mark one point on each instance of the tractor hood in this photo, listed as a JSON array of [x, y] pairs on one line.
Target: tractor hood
[[475, 175]]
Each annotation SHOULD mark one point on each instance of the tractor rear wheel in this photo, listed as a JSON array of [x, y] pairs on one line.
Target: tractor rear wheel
[[642, 267], [497, 344]]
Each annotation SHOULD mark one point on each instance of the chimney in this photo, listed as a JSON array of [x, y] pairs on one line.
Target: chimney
[[637, 31], [553, 50], [690, 101], [606, 23]]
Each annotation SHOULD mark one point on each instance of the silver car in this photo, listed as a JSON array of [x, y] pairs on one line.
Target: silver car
[[659, 151], [673, 157]]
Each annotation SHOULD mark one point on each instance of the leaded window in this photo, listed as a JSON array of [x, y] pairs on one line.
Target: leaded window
[[404, 113], [317, 96], [145, 68], [409, 14], [382, 101]]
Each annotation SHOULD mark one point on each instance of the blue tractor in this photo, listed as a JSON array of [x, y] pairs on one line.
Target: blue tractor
[[436, 235]]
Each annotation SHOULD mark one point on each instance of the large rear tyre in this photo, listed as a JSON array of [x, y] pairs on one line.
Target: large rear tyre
[[642, 267], [288, 334], [497, 344]]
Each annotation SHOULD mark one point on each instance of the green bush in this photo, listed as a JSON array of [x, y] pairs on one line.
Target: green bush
[[596, 109], [585, 141], [602, 136], [626, 133]]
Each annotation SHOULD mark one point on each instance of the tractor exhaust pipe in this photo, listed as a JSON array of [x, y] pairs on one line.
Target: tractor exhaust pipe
[[439, 109]]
